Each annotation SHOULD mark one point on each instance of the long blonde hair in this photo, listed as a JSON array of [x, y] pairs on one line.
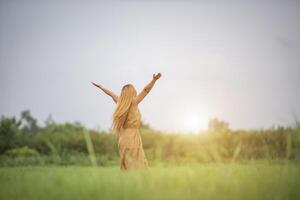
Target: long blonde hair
[[128, 93]]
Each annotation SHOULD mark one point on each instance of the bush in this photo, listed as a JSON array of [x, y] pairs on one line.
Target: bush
[[22, 152]]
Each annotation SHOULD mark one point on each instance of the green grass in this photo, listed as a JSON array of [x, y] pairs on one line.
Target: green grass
[[254, 180]]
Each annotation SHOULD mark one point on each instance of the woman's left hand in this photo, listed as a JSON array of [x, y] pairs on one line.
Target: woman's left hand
[[95, 84]]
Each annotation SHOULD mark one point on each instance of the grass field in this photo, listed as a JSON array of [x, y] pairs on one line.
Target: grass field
[[254, 180]]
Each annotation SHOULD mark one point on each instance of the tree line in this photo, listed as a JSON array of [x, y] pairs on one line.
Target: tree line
[[24, 142]]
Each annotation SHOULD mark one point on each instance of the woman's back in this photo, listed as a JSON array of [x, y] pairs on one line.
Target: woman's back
[[133, 119]]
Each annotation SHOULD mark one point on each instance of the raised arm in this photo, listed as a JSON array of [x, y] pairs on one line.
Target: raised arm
[[107, 91], [147, 88]]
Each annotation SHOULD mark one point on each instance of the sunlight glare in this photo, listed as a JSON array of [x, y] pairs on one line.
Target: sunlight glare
[[195, 122]]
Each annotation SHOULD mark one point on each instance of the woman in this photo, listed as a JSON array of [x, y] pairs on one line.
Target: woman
[[126, 124]]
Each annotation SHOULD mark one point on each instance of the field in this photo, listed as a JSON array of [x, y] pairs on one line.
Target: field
[[251, 180], [69, 161]]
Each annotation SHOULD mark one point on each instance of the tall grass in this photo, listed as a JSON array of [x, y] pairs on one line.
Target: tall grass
[[251, 180], [90, 148]]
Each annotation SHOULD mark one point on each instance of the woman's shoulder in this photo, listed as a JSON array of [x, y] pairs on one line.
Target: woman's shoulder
[[134, 106], [134, 103]]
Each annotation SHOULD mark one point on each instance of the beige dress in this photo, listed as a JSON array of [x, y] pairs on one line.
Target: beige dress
[[132, 156]]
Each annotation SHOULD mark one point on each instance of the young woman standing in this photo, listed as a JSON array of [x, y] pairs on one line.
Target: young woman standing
[[126, 124]]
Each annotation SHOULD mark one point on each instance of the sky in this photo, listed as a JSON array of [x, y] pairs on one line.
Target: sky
[[238, 61]]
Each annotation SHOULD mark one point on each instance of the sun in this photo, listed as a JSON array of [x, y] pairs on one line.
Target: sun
[[194, 122]]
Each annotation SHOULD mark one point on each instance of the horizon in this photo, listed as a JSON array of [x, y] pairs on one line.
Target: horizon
[[50, 119]]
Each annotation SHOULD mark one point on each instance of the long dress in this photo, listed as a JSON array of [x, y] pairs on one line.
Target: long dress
[[132, 155]]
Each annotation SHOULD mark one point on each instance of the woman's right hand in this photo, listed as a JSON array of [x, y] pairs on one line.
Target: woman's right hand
[[156, 76]]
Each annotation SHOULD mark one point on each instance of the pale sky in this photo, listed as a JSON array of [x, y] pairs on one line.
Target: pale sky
[[235, 60]]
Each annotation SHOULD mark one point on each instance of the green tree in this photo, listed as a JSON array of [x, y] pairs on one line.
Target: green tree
[[29, 124], [9, 128], [218, 126]]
